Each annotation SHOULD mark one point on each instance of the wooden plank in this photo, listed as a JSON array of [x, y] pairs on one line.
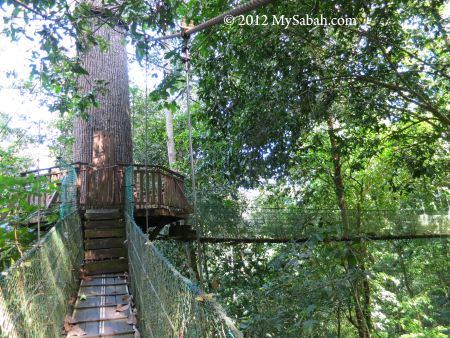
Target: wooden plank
[[98, 314], [104, 233], [141, 188], [96, 290], [105, 253], [97, 301], [110, 266], [94, 280], [160, 202], [116, 328], [98, 224], [103, 243], [102, 214], [153, 188]]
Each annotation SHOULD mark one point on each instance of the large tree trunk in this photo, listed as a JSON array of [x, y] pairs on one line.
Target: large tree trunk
[[113, 111]]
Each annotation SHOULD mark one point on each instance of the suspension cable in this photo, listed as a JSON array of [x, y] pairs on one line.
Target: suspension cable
[[197, 225], [146, 142], [39, 184], [239, 10]]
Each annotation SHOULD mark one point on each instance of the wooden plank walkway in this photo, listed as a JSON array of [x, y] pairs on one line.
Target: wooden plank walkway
[[102, 308]]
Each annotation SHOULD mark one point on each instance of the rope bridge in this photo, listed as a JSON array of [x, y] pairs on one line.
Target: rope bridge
[[34, 292], [221, 223], [169, 304]]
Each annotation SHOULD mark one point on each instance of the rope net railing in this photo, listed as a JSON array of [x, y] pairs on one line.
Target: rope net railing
[[219, 221], [35, 291], [169, 304]]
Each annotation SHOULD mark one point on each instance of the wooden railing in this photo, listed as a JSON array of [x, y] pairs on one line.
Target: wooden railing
[[154, 187], [159, 187], [46, 178], [100, 187]]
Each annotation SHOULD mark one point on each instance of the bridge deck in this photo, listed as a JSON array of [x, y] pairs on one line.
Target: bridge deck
[[102, 308]]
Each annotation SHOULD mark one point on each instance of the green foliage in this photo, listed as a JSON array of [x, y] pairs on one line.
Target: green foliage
[[324, 117]]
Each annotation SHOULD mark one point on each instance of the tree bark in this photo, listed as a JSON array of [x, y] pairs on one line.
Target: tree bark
[[360, 286], [112, 114], [337, 176]]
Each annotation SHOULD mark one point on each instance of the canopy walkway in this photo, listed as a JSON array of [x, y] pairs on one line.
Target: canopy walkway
[[126, 285], [39, 290]]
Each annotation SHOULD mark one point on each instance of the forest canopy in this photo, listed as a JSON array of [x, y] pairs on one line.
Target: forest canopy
[[334, 119]]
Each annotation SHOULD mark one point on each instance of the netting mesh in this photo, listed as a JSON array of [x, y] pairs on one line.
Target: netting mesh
[[35, 291], [169, 304], [242, 222], [68, 191]]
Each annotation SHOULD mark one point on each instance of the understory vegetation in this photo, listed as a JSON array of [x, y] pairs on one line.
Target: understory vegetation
[[335, 120]]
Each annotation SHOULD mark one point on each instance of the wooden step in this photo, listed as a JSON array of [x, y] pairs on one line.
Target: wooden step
[[104, 233], [107, 266], [100, 313], [92, 301], [102, 214], [103, 243], [100, 224], [114, 328], [105, 253]]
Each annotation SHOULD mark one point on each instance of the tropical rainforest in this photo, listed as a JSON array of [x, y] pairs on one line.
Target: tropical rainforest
[[336, 121]]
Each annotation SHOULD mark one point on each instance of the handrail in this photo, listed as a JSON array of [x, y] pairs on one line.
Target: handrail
[[137, 165], [157, 166]]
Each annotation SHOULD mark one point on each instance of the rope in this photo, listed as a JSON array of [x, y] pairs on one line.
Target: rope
[[146, 141], [39, 184], [242, 9], [191, 155]]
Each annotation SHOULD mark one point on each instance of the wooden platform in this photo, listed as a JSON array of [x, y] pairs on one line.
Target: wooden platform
[[102, 307]]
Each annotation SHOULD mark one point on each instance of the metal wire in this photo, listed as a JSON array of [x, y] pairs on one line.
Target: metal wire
[[146, 141]]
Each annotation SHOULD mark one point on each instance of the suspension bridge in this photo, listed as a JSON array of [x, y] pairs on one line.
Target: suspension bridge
[[98, 266], [98, 273]]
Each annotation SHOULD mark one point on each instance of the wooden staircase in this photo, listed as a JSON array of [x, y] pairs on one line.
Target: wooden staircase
[[103, 306], [104, 242]]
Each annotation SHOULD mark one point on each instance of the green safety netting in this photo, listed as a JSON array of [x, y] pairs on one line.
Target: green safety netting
[[35, 291], [219, 221], [169, 305]]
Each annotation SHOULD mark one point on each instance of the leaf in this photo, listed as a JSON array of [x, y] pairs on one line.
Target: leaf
[[67, 327], [205, 297], [132, 320], [122, 307], [76, 331], [83, 297], [69, 320]]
